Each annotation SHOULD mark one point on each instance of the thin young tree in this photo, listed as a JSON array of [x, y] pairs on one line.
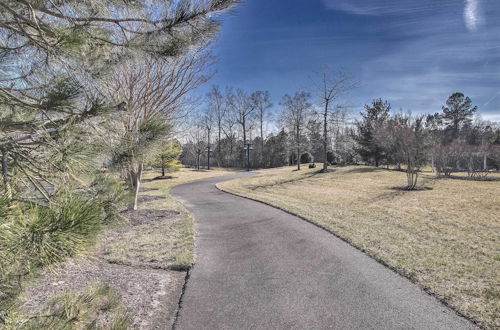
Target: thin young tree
[[218, 108], [208, 123], [296, 110], [262, 103], [229, 125], [333, 86], [155, 91], [244, 109], [197, 140]]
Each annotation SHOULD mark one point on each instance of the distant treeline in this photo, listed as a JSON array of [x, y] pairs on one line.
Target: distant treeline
[[454, 139]]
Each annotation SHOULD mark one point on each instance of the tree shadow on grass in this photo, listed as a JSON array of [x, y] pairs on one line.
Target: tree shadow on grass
[[281, 182], [365, 170], [468, 178]]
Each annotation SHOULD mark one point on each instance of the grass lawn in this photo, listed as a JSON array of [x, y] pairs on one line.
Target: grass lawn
[[446, 238], [167, 243]]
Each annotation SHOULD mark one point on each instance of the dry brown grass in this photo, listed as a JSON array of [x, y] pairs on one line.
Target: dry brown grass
[[168, 243], [446, 239]]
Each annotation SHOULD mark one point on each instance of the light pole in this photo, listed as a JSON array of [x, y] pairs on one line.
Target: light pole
[[248, 147]]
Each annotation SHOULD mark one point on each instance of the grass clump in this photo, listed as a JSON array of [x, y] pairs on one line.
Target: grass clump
[[97, 307]]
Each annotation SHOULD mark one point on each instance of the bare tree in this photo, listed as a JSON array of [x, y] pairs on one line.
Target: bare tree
[[230, 121], [197, 140], [155, 92], [262, 103], [244, 109], [218, 108], [208, 122], [332, 87], [408, 137], [295, 112]]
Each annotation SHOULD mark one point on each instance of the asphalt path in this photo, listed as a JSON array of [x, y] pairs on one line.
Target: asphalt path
[[261, 268]]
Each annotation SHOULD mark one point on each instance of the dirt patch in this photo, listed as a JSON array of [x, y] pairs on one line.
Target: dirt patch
[[145, 189], [161, 177], [149, 295], [417, 188], [141, 217], [149, 198]]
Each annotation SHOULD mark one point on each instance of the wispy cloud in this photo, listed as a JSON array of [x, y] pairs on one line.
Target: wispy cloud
[[387, 7], [472, 15]]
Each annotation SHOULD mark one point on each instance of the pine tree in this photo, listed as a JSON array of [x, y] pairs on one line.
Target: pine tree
[[373, 117]]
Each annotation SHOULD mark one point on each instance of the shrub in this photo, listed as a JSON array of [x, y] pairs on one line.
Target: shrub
[[312, 165], [98, 307], [330, 158], [43, 235], [306, 158]]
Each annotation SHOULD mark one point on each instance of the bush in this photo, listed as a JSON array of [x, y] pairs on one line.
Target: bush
[[312, 165], [306, 158], [330, 158], [43, 235], [98, 307]]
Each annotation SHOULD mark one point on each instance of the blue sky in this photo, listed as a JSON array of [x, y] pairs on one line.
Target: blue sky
[[414, 53]]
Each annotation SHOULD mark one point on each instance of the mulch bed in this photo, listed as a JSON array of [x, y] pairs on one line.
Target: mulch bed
[[145, 189], [149, 295], [142, 217], [148, 198], [166, 177]]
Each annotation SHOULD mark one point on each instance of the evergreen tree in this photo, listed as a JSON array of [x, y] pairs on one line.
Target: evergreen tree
[[374, 117], [457, 115]]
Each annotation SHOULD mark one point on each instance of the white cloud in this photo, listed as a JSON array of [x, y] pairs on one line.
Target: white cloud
[[472, 15]]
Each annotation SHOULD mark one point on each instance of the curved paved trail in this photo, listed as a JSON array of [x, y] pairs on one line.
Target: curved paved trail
[[260, 268]]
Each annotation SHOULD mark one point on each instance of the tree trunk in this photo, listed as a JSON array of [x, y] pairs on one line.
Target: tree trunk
[[432, 163], [298, 148], [261, 137], [137, 183], [208, 151], [5, 174], [325, 137], [162, 165], [485, 162], [219, 159], [245, 154]]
